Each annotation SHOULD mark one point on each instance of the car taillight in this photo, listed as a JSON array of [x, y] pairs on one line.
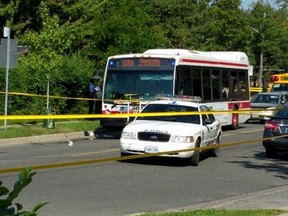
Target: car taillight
[[271, 125]]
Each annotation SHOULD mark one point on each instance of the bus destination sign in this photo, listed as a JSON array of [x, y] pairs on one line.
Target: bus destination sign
[[141, 62]]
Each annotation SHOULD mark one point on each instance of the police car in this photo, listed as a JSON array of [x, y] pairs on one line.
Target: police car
[[174, 126]]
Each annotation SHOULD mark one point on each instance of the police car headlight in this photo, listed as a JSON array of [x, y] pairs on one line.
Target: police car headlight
[[182, 139], [128, 135]]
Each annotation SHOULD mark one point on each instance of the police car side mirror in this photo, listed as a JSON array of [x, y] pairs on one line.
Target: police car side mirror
[[208, 121]]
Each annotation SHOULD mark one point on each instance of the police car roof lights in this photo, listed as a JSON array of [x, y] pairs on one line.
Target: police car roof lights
[[179, 97]]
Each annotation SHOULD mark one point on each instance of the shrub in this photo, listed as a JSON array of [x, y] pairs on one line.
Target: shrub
[[7, 207]]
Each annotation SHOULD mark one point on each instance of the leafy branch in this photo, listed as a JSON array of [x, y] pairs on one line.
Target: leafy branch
[[7, 207]]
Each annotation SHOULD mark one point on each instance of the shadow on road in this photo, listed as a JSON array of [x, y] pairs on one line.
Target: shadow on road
[[166, 161], [159, 161], [102, 133], [278, 166]]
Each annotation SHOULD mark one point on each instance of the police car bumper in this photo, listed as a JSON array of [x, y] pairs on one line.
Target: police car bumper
[[171, 149]]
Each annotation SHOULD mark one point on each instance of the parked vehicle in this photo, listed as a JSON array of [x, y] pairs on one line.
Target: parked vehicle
[[267, 104], [276, 133], [172, 133], [278, 82]]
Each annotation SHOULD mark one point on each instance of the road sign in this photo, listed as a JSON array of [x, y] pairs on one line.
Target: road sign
[[3, 53]]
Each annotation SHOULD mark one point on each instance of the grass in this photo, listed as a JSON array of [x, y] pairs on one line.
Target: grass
[[221, 212], [24, 128]]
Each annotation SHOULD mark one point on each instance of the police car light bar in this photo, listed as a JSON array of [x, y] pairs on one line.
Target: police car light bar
[[179, 97]]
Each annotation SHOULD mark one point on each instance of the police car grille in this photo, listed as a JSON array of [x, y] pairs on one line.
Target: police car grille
[[153, 137]]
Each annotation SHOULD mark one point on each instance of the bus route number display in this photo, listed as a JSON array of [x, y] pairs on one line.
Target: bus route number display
[[141, 62]]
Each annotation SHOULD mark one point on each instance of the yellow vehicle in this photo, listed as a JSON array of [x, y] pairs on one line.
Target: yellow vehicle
[[278, 82], [255, 90]]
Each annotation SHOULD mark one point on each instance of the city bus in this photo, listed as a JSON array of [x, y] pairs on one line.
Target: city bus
[[221, 79], [278, 82]]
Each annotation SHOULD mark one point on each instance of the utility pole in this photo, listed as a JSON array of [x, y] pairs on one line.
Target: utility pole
[[7, 34], [261, 60]]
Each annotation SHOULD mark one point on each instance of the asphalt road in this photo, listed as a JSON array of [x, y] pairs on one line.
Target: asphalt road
[[143, 185]]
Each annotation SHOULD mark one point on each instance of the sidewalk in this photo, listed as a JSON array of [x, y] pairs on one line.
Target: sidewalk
[[44, 138], [272, 198]]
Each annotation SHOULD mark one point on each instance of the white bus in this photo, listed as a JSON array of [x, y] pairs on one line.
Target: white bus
[[221, 79]]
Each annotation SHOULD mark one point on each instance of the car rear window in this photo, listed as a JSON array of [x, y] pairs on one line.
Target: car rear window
[[263, 98]]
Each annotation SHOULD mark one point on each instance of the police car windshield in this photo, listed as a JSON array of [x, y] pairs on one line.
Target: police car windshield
[[164, 108]]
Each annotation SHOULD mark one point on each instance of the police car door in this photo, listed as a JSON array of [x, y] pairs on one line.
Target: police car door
[[210, 126]]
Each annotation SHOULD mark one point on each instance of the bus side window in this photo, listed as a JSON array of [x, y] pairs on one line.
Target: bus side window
[[225, 92], [225, 84], [215, 82]]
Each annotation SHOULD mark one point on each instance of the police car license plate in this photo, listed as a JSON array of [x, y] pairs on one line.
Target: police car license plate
[[151, 149]]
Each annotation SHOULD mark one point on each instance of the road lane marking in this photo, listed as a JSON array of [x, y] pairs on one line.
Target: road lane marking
[[96, 152]]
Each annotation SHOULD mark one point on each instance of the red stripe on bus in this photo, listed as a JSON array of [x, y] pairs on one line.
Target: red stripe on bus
[[214, 62], [113, 112], [241, 105]]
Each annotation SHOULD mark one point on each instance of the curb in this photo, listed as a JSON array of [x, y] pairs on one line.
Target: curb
[[272, 198], [43, 138]]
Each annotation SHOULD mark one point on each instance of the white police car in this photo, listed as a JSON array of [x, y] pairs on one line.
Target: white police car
[[171, 131]]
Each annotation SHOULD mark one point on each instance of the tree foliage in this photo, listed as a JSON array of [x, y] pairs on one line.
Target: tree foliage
[[269, 27]]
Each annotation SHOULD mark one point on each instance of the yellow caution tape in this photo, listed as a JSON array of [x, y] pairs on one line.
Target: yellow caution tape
[[119, 115], [123, 115]]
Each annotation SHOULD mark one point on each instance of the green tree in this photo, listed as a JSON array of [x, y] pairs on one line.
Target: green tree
[[44, 61], [269, 27], [120, 26], [203, 26], [45, 57], [176, 19], [17, 14], [225, 27]]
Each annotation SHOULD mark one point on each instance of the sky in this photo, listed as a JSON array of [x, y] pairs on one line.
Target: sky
[[247, 3]]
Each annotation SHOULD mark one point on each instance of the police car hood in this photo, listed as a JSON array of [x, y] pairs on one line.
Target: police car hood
[[162, 127]]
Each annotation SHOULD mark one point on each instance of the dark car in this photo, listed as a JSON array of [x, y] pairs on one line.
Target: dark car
[[267, 104], [276, 133]]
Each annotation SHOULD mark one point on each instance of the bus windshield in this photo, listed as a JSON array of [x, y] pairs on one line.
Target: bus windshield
[[135, 82], [279, 87]]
